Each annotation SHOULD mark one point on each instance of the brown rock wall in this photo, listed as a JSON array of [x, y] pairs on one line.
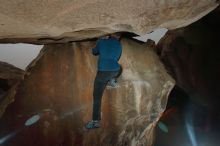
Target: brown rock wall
[[62, 80]]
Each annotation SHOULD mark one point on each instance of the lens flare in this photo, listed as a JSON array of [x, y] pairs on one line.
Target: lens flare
[[35, 118], [189, 125], [9, 136], [71, 112], [32, 120], [163, 127]]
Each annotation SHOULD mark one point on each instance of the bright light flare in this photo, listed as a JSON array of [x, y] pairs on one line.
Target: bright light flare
[[32, 120], [190, 126]]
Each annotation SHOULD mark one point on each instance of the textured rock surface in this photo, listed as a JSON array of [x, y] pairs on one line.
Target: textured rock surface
[[192, 58], [9, 77], [47, 21], [61, 79], [10, 72]]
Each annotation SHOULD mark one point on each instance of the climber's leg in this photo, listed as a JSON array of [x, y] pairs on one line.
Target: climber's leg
[[113, 81], [102, 78]]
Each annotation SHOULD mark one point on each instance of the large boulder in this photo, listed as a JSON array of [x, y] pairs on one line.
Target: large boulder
[[10, 73], [10, 76], [58, 86], [48, 21], [191, 55]]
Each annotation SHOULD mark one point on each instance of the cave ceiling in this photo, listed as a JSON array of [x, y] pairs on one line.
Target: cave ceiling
[[49, 21]]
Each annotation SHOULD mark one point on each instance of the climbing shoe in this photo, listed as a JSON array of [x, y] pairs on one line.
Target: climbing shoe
[[92, 124], [112, 83]]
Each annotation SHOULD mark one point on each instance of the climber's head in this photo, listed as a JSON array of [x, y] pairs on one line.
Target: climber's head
[[116, 35]]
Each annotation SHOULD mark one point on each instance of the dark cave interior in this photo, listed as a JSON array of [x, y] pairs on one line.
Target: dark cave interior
[[192, 58]]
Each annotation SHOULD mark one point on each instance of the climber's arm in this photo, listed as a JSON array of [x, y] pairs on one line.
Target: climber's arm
[[95, 51]]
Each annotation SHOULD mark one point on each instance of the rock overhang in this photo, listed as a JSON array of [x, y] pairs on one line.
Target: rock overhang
[[44, 22]]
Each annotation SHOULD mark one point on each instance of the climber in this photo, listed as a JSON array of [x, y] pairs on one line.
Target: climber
[[109, 50]]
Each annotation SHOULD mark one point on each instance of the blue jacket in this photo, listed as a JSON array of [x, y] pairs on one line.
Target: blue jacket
[[109, 51]]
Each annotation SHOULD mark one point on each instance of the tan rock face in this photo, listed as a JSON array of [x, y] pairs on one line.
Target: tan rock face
[[47, 21], [59, 85]]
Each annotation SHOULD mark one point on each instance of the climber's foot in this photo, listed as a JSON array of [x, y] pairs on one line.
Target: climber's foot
[[112, 83], [92, 124]]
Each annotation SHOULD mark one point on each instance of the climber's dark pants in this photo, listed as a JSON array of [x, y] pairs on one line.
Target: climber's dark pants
[[102, 78]]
